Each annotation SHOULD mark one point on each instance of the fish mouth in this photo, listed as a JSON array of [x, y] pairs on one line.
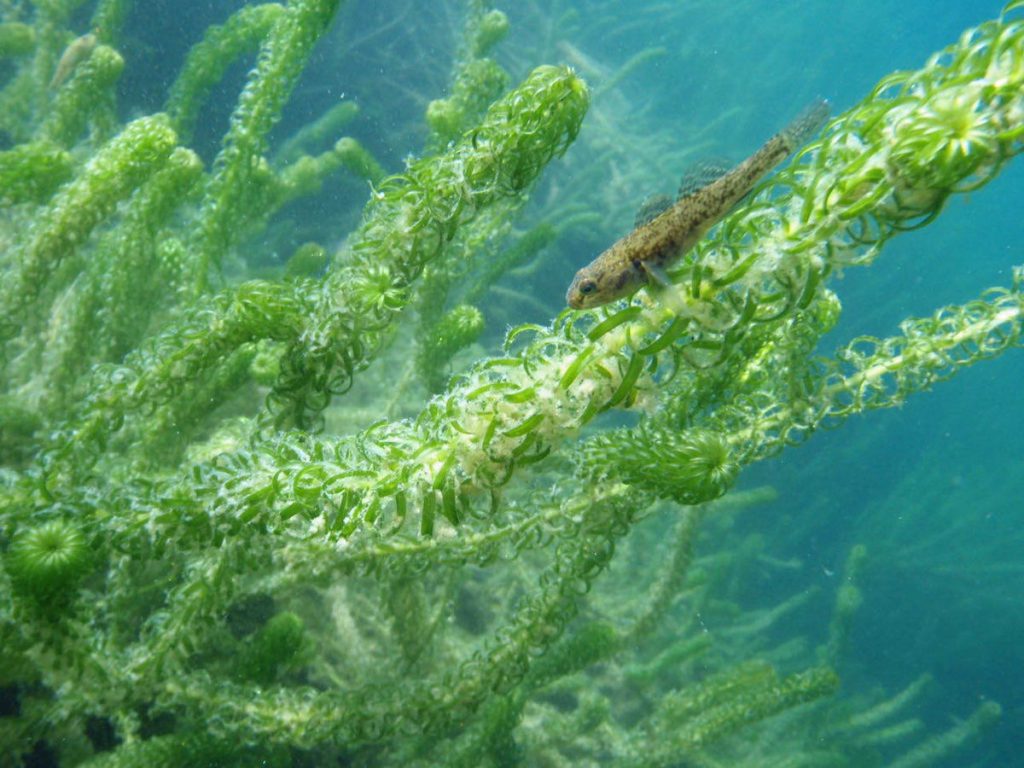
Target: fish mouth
[[575, 299]]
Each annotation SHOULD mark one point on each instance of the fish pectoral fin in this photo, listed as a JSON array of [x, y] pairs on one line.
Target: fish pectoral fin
[[656, 276]]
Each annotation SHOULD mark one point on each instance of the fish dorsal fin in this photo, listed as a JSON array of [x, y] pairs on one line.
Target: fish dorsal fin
[[702, 173], [651, 208]]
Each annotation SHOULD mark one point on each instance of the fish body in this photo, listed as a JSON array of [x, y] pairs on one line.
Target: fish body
[[77, 52], [641, 257]]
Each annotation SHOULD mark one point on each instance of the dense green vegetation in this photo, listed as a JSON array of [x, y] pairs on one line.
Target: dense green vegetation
[[218, 548]]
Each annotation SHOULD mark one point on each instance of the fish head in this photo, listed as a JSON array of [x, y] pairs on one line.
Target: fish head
[[600, 283]]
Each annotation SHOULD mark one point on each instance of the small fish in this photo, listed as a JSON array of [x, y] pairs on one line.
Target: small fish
[[77, 52], [640, 258]]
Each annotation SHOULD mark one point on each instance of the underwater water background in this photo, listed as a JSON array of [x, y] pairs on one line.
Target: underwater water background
[[934, 490]]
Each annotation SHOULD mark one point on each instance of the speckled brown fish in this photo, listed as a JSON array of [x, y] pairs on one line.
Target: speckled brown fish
[[640, 258]]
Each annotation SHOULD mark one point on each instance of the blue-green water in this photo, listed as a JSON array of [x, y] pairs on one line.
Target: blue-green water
[[934, 490]]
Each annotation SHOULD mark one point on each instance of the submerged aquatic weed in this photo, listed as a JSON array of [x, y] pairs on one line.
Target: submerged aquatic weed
[[420, 591], [46, 560]]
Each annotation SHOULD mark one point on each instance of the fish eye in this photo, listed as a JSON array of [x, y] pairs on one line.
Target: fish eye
[[587, 287]]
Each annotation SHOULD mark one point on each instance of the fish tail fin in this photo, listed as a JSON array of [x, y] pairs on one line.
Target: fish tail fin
[[805, 125]]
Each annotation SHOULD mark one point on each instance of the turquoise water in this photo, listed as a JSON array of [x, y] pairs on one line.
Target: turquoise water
[[932, 490]]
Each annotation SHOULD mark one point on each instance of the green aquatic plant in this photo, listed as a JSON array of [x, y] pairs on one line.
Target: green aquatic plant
[[275, 647], [233, 187], [46, 561], [209, 59], [193, 557]]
